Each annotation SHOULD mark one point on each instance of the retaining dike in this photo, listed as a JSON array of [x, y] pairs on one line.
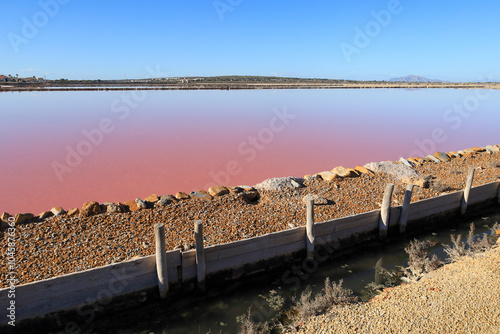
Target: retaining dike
[[236, 260]]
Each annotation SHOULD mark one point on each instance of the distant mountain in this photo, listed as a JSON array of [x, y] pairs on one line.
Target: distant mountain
[[414, 78]]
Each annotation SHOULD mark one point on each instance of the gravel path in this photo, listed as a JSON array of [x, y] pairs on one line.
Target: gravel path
[[461, 297], [61, 245]]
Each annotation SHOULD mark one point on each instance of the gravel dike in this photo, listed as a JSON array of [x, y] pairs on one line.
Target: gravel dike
[[62, 244], [462, 297]]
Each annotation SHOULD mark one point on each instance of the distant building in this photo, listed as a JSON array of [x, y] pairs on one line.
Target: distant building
[[3, 78]]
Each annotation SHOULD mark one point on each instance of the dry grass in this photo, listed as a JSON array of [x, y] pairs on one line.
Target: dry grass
[[331, 295], [472, 246], [250, 327], [419, 262]]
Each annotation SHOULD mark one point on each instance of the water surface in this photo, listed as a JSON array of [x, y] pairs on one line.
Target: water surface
[[66, 148]]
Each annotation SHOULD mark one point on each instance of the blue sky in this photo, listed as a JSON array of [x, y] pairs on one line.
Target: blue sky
[[450, 40]]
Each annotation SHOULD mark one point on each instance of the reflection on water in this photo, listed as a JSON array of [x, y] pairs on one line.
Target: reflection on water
[[66, 148]]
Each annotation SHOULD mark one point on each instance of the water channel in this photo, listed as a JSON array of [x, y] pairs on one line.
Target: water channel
[[218, 314]]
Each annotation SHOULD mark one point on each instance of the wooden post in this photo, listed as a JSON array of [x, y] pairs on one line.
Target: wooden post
[[468, 186], [161, 260], [498, 193], [310, 228], [385, 211], [404, 210], [200, 254]]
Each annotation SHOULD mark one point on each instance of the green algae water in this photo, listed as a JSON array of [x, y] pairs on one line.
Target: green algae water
[[219, 314]]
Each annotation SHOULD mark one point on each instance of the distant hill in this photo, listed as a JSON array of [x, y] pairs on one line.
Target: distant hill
[[414, 78]]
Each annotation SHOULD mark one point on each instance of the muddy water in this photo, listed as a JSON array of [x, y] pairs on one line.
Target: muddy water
[[218, 314], [67, 148]]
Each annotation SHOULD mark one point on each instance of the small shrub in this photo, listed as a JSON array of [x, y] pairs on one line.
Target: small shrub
[[250, 327], [274, 300], [472, 246], [419, 262], [332, 294], [495, 228], [458, 249], [479, 244], [390, 278]]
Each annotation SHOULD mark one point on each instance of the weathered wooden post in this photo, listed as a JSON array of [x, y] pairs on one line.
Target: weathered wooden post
[[161, 260], [310, 228], [468, 186], [200, 254], [498, 193], [385, 211], [404, 210]]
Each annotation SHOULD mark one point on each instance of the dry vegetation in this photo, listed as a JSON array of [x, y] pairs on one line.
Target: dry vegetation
[[420, 263]]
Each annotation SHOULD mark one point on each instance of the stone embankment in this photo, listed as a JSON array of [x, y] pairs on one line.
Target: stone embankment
[[58, 242]]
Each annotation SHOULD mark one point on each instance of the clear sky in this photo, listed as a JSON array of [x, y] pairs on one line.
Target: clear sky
[[456, 40]]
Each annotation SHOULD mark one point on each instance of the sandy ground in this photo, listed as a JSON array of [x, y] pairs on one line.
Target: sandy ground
[[61, 245], [461, 297]]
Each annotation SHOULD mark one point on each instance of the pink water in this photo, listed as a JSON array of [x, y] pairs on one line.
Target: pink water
[[140, 143]]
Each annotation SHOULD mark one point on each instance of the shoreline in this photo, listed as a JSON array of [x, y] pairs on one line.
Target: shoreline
[[41, 87], [73, 241]]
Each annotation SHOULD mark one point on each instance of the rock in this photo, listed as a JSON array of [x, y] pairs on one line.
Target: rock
[[73, 212], [453, 154], [313, 177], [414, 161], [476, 149], [406, 162], [132, 206], [433, 158], [57, 211], [5, 217], [200, 195], [218, 191], [21, 218], [113, 208], [249, 196], [442, 156], [318, 200], [419, 160], [90, 209], [400, 171], [364, 170], [123, 206], [104, 206], [280, 183], [345, 172], [246, 188], [45, 215], [492, 148], [141, 204], [328, 176], [152, 199], [297, 183], [165, 200], [418, 181], [180, 195], [235, 190]]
